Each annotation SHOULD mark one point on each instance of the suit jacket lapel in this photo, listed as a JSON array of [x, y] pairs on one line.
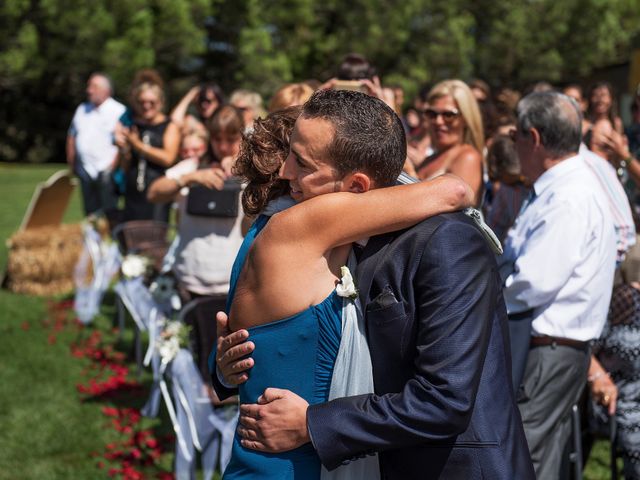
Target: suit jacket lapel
[[369, 260]]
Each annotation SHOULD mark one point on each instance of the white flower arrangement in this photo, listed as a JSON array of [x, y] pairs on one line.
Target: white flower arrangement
[[134, 266], [174, 336], [163, 290], [346, 288]]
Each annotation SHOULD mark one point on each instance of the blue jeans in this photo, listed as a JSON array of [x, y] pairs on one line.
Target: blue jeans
[[98, 194]]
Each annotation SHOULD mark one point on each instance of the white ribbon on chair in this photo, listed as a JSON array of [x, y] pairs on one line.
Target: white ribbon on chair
[[205, 429], [105, 260]]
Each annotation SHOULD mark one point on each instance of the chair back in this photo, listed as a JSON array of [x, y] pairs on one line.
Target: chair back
[[200, 314], [144, 237]]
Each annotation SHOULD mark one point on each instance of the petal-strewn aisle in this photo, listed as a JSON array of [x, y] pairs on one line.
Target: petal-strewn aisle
[[141, 448]]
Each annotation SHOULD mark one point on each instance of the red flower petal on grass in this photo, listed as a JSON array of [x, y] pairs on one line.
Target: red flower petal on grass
[[110, 411], [25, 326], [165, 476], [152, 443], [51, 339]]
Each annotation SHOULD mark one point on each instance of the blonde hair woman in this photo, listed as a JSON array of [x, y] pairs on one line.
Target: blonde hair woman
[[149, 144], [290, 95], [455, 127]]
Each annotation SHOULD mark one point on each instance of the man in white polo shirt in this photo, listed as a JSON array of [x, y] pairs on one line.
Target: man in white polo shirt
[[91, 153]]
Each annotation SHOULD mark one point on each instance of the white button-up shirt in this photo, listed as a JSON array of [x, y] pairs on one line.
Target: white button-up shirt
[[560, 255], [93, 128]]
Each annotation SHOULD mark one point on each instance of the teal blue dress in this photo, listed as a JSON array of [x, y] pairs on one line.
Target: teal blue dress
[[296, 353]]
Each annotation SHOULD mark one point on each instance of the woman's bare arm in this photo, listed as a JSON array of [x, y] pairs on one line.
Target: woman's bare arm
[[336, 219], [180, 110], [468, 166]]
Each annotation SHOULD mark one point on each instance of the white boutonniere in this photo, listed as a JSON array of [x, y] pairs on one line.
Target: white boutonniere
[[174, 336], [134, 266], [346, 288]]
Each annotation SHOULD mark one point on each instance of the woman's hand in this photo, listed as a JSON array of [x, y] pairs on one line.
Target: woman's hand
[[616, 144], [227, 164], [212, 178], [133, 138], [192, 94], [375, 90], [605, 392]]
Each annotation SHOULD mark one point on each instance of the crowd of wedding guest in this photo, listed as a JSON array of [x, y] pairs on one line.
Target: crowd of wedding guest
[[147, 156]]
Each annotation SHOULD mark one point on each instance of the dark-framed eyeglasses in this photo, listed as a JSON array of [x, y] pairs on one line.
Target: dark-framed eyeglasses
[[447, 115]]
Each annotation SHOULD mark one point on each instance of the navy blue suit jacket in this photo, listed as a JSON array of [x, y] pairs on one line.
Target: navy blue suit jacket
[[443, 406]]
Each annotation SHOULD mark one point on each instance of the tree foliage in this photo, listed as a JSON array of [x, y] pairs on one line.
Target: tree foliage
[[49, 47]]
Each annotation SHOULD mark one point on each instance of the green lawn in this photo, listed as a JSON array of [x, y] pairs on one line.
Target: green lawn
[[47, 432]]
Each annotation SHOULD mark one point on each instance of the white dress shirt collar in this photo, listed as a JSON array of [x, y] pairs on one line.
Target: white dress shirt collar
[[565, 167]]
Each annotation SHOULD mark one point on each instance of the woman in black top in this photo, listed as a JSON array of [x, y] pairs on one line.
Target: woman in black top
[[149, 146]]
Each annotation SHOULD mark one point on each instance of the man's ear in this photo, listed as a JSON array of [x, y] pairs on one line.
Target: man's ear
[[357, 183], [535, 137]]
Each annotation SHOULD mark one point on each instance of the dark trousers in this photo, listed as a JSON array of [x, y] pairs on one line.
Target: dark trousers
[[98, 194], [553, 382]]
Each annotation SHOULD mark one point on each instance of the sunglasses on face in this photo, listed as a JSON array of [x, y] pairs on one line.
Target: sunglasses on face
[[447, 115], [151, 103]]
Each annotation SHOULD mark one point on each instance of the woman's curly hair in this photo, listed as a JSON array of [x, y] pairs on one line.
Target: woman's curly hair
[[262, 153]]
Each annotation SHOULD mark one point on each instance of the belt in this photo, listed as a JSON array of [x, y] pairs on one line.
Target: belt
[[554, 341]]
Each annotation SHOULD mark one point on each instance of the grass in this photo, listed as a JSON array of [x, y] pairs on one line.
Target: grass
[[47, 431]]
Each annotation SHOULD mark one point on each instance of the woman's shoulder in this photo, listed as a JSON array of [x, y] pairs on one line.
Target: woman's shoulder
[[467, 153]]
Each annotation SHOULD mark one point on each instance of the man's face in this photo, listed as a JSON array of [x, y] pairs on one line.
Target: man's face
[[307, 167], [97, 90]]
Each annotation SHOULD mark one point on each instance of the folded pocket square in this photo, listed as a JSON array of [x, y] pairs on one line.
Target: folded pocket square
[[386, 298]]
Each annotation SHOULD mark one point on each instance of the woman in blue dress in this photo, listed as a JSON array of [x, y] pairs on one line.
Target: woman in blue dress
[[283, 286]]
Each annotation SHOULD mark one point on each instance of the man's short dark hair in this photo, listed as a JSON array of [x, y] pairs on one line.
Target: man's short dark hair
[[368, 137], [556, 117]]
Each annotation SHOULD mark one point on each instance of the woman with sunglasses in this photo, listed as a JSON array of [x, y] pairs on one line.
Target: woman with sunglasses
[[455, 128], [149, 144], [206, 98]]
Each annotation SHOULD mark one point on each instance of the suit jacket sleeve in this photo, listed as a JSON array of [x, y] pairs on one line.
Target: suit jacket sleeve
[[456, 288]]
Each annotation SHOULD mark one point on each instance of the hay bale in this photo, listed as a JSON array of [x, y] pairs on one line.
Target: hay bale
[[41, 260]]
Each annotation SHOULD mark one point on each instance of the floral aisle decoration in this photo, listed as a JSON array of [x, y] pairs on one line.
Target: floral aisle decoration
[[134, 266], [174, 335]]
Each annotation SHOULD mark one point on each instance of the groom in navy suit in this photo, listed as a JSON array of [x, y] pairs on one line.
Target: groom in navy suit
[[443, 406]]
